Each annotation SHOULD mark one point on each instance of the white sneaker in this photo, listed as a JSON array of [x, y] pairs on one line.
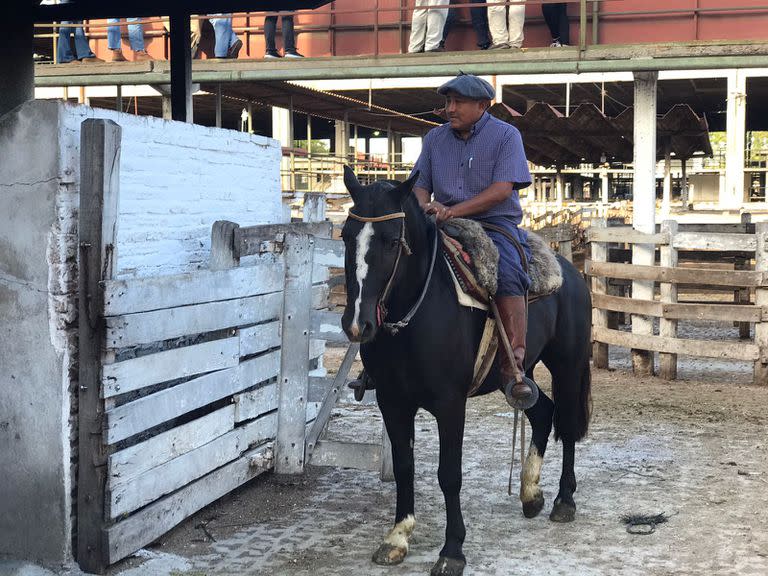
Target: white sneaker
[[556, 44], [293, 54]]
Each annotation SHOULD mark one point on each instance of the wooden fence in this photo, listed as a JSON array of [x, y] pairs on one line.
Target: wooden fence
[[181, 376], [738, 244]]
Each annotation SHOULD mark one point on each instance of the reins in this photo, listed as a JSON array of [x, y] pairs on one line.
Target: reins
[[381, 309]]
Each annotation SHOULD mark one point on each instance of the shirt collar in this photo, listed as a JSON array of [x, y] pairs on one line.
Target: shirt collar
[[476, 127]]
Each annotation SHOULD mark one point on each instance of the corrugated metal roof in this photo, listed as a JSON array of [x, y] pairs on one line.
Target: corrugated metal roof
[[587, 135]]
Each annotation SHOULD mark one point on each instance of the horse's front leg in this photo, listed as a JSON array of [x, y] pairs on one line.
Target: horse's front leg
[[399, 422], [540, 417], [450, 424]]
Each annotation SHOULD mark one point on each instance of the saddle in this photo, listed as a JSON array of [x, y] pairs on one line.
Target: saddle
[[473, 260]]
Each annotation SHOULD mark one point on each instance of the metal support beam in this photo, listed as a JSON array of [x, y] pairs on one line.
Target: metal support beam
[[644, 203], [17, 68], [736, 122], [181, 68], [218, 105], [666, 199]]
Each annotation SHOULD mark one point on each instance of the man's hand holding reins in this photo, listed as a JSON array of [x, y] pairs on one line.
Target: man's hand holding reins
[[441, 212]]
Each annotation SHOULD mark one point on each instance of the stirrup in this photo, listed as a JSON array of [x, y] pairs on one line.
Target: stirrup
[[359, 386], [522, 402]]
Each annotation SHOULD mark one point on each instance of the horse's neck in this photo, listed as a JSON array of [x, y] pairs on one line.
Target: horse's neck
[[410, 283]]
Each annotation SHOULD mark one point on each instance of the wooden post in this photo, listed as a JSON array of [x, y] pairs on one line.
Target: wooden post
[[99, 199], [599, 284], [294, 370], [314, 207], [741, 296], [761, 299], [668, 328], [224, 253]]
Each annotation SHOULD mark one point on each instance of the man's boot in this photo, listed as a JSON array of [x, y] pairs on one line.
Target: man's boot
[[512, 310]]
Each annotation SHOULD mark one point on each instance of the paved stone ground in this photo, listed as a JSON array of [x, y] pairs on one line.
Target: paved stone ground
[[694, 449]]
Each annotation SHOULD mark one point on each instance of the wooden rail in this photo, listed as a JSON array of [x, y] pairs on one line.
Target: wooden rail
[[673, 240]]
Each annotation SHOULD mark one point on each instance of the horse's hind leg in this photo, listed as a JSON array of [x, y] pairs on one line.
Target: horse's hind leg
[[564, 509], [540, 417], [400, 427]]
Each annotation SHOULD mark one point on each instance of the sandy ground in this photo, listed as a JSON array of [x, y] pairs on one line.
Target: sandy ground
[[693, 449]]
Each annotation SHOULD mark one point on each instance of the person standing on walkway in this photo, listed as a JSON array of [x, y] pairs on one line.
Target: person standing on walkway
[[506, 25], [227, 45], [289, 37], [427, 26], [556, 17], [135, 39], [83, 52], [479, 24]]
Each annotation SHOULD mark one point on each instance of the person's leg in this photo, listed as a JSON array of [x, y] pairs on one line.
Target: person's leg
[[480, 25], [565, 29], [113, 34], [270, 27], [64, 49], [497, 25], [82, 48], [549, 11], [235, 44], [516, 19], [289, 39], [450, 20], [435, 23], [418, 27], [136, 35], [194, 34], [222, 28]]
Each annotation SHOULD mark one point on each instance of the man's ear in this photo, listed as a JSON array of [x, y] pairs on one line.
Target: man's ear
[[405, 188], [351, 182]]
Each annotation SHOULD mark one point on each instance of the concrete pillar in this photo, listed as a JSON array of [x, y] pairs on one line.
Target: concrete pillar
[[732, 196], [684, 183], [341, 140], [181, 68], [644, 204], [282, 130], [16, 65], [605, 188], [559, 187]]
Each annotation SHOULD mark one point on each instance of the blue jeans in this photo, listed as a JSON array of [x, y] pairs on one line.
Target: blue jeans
[[225, 36], [479, 23], [64, 50], [513, 280], [135, 35]]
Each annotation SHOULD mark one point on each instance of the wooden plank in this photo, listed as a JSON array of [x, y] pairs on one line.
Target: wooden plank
[[248, 239], [139, 458], [676, 275], [688, 347], [599, 289], [710, 241], [360, 456], [625, 235], [256, 339], [679, 311], [98, 217], [125, 497], [329, 252], [255, 403], [330, 399], [294, 368], [129, 419], [761, 299], [327, 326], [131, 534], [136, 373], [159, 292]]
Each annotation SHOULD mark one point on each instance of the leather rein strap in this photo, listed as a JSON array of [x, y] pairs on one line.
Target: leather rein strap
[[381, 309]]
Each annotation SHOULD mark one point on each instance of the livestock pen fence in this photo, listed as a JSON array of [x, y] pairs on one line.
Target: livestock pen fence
[[723, 269], [186, 381]]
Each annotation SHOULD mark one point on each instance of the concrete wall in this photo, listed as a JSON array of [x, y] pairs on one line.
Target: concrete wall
[[176, 180]]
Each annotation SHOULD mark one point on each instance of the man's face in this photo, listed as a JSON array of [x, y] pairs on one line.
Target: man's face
[[463, 112]]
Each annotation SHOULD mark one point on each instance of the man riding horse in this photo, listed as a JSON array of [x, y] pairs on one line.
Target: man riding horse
[[472, 167]]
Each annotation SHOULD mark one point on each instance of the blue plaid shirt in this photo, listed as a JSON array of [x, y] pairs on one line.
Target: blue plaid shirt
[[454, 170]]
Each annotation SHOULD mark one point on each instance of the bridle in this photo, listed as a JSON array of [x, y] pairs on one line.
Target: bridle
[[381, 306]]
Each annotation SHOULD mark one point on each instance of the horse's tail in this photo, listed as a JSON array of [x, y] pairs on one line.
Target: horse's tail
[[573, 408]]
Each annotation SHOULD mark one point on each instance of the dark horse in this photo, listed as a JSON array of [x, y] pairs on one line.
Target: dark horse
[[429, 362]]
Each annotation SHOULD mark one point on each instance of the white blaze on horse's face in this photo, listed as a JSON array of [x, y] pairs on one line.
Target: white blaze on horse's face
[[361, 272]]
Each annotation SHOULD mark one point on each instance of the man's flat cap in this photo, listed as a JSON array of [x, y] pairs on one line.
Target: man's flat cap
[[469, 86]]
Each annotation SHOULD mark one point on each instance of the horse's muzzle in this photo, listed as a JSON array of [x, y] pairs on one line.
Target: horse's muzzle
[[360, 332]]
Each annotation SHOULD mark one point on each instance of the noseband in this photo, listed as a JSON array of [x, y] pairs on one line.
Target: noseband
[[381, 308]]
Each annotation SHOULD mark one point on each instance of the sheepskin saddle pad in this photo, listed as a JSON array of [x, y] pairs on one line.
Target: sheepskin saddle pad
[[474, 260]]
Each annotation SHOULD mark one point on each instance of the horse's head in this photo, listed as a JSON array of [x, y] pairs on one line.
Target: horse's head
[[374, 239]]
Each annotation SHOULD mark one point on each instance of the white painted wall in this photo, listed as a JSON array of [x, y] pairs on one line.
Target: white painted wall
[[176, 180]]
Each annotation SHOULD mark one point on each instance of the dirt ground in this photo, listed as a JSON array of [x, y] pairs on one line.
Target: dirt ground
[[694, 450]]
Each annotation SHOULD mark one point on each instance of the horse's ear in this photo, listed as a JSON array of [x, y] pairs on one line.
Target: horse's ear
[[351, 182], [406, 187]]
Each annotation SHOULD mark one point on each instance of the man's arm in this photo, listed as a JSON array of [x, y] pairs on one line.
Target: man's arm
[[495, 194], [422, 195]]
